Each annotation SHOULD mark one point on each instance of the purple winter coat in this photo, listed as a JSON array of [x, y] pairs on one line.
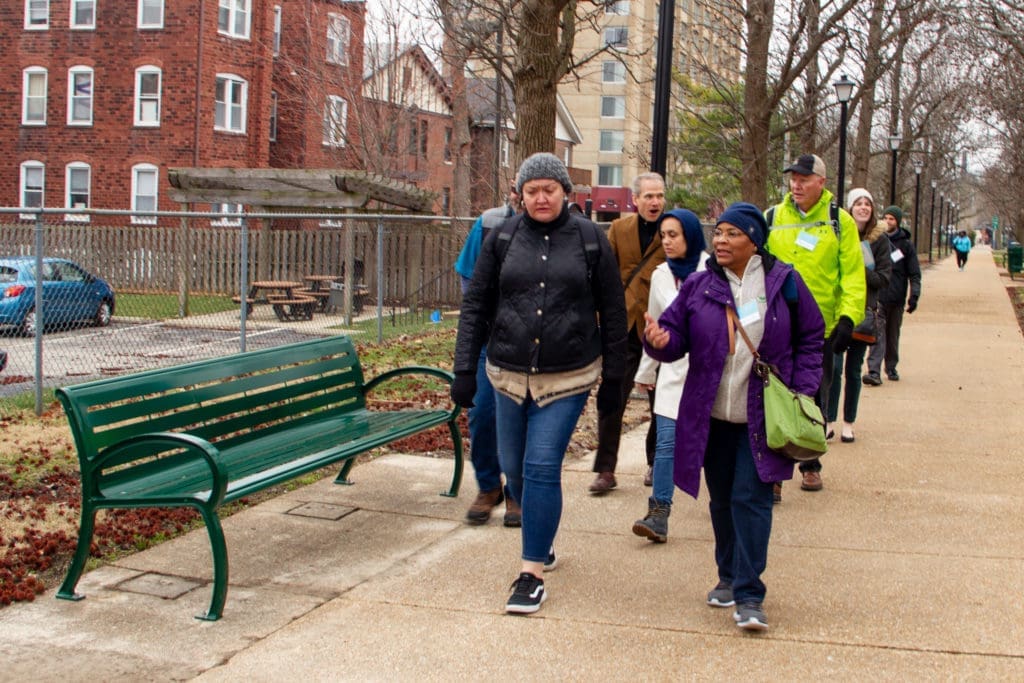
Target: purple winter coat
[[696, 322]]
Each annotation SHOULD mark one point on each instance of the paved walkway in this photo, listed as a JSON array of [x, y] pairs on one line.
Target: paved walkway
[[909, 565]]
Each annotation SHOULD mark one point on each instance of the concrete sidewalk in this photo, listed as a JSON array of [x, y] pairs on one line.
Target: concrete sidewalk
[[908, 565]]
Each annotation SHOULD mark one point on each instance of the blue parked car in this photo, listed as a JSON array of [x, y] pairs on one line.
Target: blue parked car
[[71, 294]]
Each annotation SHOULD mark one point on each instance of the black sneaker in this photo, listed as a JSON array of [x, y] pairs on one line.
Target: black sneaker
[[551, 562], [750, 617], [527, 595], [721, 595], [872, 379], [893, 376]]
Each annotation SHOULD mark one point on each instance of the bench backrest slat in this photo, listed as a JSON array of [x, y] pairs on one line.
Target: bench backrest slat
[[228, 398]]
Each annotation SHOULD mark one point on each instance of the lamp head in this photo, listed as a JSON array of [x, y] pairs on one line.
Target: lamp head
[[918, 166], [844, 88], [894, 141]]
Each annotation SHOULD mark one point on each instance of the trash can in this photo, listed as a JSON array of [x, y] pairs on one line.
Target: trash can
[[336, 299], [1014, 258]]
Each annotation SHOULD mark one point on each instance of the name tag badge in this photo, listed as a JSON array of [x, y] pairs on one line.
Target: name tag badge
[[749, 313], [896, 255], [807, 240]]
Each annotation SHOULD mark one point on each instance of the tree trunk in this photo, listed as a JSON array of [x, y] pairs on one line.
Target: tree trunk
[[808, 133], [757, 110], [873, 67]]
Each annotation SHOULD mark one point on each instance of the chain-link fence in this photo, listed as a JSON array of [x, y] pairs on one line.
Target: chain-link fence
[[85, 294]]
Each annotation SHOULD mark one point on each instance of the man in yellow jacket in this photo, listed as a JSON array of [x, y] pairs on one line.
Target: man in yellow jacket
[[821, 241]]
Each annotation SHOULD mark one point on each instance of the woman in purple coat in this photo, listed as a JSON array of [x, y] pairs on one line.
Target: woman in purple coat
[[721, 412]]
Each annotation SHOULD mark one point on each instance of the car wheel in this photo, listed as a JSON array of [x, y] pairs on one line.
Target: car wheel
[[103, 314], [28, 323]]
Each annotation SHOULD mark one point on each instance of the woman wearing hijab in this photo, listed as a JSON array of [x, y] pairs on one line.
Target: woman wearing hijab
[[720, 425], [553, 319], [682, 237]]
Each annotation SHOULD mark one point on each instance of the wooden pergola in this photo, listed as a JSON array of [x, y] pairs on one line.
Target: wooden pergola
[[268, 190]]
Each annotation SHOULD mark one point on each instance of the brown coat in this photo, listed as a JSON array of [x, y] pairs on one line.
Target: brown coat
[[625, 239]]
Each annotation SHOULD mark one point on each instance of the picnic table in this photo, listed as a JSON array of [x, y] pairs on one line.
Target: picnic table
[[289, 304], [319, 287]]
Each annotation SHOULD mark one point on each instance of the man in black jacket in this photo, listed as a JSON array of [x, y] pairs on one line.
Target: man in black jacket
[[905, 270]]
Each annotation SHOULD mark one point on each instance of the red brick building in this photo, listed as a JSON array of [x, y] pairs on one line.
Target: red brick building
[[110, 95]]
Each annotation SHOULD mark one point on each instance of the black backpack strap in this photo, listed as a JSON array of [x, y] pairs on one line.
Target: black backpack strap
[[769, 217], [505, 234], [833, 215]]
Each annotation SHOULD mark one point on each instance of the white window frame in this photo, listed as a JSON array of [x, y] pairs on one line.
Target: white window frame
[[69, 170], [607, 135], [159, 6], [339, 36], [39, 25], [618, 34], [505, 149], [272, 133], [614, 169], [73, 73], [142, 98], [27, 76], [223, 109], [619, 100], [276, 44], [85, 26], [23, 188], [230, 212], [232, 12], [617, 7], [137, 171], [335, 128], [618, 69]]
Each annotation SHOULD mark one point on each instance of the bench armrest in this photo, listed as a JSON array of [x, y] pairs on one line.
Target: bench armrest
[[414, 370], [156, 442]]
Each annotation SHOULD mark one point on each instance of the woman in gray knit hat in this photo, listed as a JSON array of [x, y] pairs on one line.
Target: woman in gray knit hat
[[547, 301]]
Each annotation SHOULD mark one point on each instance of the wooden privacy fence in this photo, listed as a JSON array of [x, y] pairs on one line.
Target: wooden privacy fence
[[417, 255]]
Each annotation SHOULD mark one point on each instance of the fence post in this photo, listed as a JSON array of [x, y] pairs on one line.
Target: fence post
[[348, 268], [380, 280], [243, 284], [40, 240], [183, 269]]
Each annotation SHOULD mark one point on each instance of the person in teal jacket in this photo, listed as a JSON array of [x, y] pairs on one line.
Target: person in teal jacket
[[822, 243]]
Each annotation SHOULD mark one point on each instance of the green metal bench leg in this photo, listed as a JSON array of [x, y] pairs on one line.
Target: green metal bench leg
[[342, 477], [453, 491], [220, 565], [85, 530]]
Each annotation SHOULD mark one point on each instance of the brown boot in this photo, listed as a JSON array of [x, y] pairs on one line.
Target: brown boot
[[513, 513], [603, 483], [480, 511]]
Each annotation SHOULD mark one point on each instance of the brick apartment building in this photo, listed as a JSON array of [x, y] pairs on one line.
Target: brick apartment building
[[109, 95]]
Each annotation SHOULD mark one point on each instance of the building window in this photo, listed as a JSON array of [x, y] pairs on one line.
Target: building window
[[147, 96], [80, 96], [337, 39], [231, 217], [423, 139], [233, 18], [609, 175], [77, 183], [612, 141], [446, 201], [619, 7], [276, 45], [272, 135], [335, 118], [414, 138], [613, 107], [448, 145], [33, 178], [613, 72], [83, 14], [33, 108], [567, 156], [504, 152], [144, 192], [231, 96], [616, 37], [37, 14], [151, 13]]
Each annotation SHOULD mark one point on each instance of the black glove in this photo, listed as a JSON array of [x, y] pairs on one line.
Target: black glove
[[464, 389], [842, 334], [911, 304], [609, 396]]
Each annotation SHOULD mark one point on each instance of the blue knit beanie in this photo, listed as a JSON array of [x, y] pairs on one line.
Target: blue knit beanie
[[747, 218]]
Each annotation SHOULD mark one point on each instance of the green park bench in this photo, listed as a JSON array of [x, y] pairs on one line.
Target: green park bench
[[213, 431]]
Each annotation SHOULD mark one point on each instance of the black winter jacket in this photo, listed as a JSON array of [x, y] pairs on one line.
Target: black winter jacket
[[536, 309], [905, 270]]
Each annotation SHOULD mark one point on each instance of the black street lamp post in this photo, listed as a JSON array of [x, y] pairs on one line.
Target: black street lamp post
[[844, 91], [894, 144], [662, 87], [931, 221], [942, 223], [918, 166]]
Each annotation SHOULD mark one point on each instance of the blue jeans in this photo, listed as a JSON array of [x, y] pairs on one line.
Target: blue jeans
[[741, 510], [664, 460], [851, 372], [483, 435], [531, 446]]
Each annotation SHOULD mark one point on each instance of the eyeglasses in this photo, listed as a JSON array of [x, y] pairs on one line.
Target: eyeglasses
[[730, 234]]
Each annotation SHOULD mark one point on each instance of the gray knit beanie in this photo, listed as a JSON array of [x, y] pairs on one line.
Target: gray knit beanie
[[546, 166]]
